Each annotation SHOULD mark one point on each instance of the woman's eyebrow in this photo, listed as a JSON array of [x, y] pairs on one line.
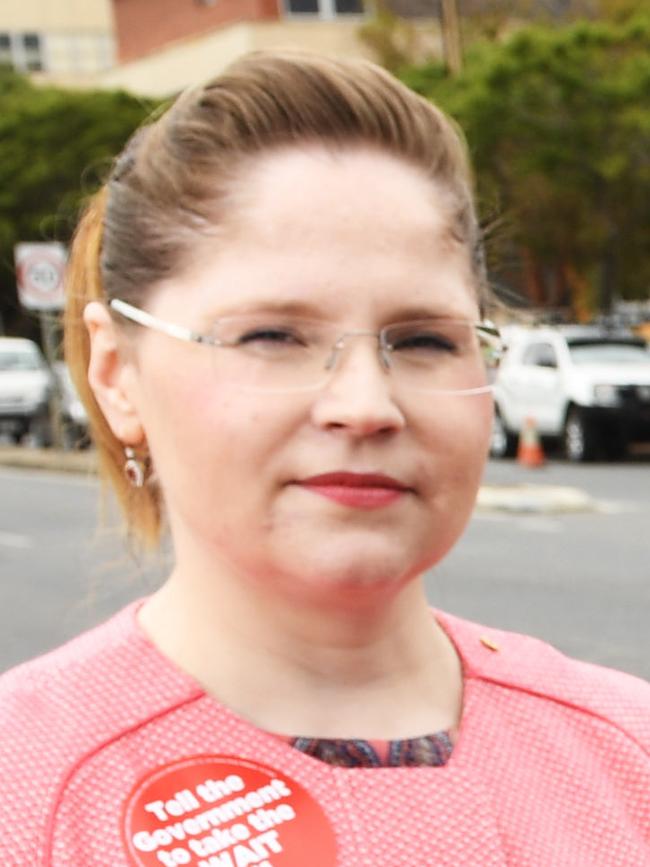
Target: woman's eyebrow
[[417, 313], [414, 313], [311, 310], [292, 307]]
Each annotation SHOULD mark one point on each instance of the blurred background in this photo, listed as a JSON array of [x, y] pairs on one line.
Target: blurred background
[[553, 98]]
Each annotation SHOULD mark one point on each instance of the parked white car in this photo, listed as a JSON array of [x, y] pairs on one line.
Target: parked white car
[[26, 383], [587, 387]]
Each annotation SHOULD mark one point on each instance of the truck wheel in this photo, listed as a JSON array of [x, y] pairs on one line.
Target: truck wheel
[[580, 437], [503, 443]]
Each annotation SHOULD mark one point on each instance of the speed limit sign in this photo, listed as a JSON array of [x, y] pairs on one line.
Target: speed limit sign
[[40, 270]]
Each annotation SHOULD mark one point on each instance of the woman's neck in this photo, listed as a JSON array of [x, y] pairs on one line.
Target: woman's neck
[[375, 671]]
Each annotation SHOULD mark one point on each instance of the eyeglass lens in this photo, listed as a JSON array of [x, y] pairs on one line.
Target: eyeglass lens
[[281, 353]]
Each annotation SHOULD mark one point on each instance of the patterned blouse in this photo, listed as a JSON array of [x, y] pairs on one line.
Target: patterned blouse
[[428, 750]]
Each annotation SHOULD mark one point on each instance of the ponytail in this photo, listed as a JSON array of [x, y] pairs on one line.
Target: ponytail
[[140, 506]]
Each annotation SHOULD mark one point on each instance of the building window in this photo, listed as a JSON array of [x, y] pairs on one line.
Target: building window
[[33, 59], [299, 7], [348, 7], [324, 8], [22, 51], [5, 50], [105, 52]]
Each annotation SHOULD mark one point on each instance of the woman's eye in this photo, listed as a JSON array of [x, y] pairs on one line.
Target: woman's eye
[[279, 336], [423, 341]]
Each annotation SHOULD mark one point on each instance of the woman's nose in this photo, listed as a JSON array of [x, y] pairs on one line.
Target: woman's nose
[[358, 396]]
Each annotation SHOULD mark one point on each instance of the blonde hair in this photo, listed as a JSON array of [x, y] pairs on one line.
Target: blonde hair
[[172, 181]]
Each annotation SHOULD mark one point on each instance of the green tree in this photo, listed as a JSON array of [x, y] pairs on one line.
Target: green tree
[[55, 148], [558, 122]]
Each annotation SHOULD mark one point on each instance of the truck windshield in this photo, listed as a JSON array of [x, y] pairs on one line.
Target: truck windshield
[[602, 352], [12, 360]]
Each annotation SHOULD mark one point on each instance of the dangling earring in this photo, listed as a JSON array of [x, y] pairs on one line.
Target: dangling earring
[[134, 468]]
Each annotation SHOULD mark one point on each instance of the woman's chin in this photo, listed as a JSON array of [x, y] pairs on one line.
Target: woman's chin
[[350, 575]]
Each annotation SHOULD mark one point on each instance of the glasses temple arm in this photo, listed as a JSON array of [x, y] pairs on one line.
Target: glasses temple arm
[[141, 317]]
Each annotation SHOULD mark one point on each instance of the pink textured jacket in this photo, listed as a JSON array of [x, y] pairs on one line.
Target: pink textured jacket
[[109, 756]]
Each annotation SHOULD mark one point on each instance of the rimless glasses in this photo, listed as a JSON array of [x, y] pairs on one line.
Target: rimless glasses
[[273, 351]]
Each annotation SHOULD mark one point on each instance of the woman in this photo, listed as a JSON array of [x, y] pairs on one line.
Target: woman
[[278, 302]]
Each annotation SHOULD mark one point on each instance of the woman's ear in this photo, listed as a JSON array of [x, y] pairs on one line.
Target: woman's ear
[[112, 376]]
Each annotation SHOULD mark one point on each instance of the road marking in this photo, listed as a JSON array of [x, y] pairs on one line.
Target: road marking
[[618, 507], [15, 540], [533, 523]]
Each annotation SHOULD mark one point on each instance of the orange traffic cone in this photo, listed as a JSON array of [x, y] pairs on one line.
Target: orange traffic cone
[[530, 452]]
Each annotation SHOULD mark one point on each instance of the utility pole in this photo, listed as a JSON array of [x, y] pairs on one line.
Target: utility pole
[[40, 269], [451, 40]]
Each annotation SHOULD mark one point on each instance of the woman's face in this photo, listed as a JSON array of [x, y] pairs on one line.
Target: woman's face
[[358, 238]]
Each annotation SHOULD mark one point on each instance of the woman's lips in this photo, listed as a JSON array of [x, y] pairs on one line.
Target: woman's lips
[[357, 490]]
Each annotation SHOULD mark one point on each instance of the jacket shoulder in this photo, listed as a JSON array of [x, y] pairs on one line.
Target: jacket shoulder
[[62, 707], [527, 664]]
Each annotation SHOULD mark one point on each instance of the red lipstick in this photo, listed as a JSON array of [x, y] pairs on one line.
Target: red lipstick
[[356, 490]]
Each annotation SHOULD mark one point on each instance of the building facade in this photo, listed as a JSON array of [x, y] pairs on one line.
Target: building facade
[[143, 27], [158, 47], [166, 45], [67, 41]]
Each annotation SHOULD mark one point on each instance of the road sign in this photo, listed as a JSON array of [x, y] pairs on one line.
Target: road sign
[[40, 270]]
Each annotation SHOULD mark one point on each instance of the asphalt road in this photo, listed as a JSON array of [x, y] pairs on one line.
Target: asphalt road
[[581, 581]]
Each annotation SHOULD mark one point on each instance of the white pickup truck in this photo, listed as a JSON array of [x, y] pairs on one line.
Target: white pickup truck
[[587, 387], [26, 384]]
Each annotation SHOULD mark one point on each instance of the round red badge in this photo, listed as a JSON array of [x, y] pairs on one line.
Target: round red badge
[[223, 811]]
